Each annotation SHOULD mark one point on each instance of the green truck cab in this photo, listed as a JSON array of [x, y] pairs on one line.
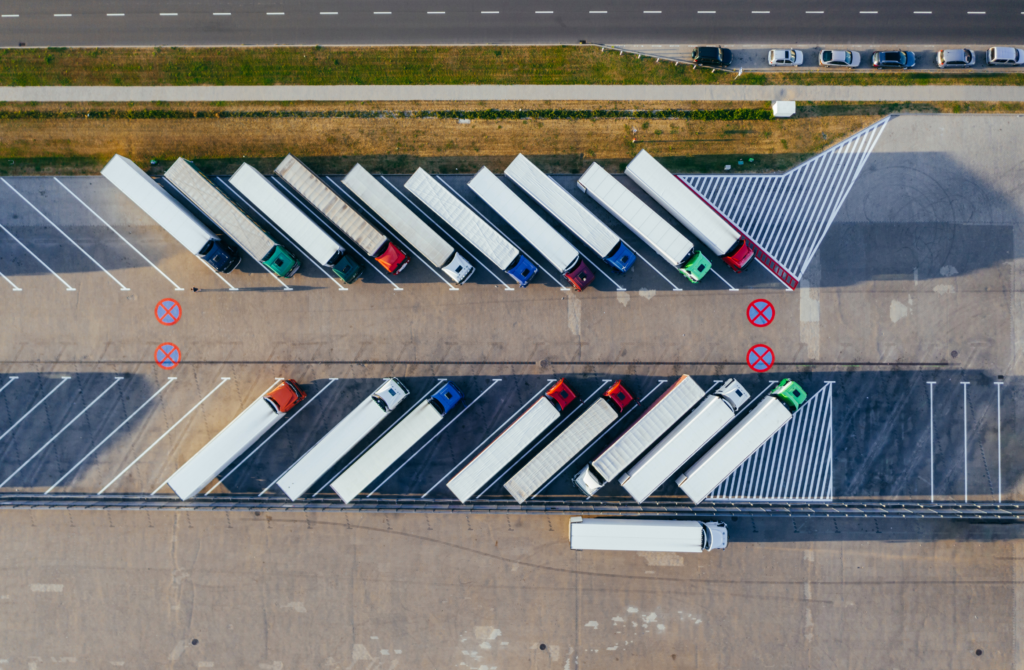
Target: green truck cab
[[790, 394], [695, 267], [280, 262]]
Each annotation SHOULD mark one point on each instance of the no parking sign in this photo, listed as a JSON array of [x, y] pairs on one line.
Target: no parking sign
[[760, 358], [760, 313], [168, 311], [167, 356]]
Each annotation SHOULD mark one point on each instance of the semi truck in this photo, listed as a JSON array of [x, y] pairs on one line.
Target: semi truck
[[170, 215], [322, 197], [237, 436], [668, 242], [320, 246], [571, 212], [698, 215], [512, 441], [477, 232], [192, 184], [684, 441], [569, 443], [753, 430], [536, 230], [396, 442], [646, 535], [422, 237], [664, 413], [339, 440]]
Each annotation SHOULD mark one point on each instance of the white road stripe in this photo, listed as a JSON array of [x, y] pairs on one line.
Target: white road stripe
[[816, 12], [331, 13], [922, 12], [14, 287], [104, 440], [9, 16], [61, 16], [435, 12], [168, 14], [10, 380], [59, 432], [705, 12], [544, 12], [658, 11], [759, 12], [109, 15], [488, 12], [25, 415], [275, 13], [975, 12], [68, 237], [869, 12], [36, 257], [598, 12], [223, 380], [382, 12], [222, 13]]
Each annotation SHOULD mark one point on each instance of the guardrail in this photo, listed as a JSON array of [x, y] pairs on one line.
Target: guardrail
[[657, 58]]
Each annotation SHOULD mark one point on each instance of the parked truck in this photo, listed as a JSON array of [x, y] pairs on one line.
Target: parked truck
[[396, 442], [339, 440], [322, 197], [192, 184], [237, 436], [170, 215], [477, 232], [684, 441], [422, 237], [571, 212], [728, 453], [664, 413], [512, 441], [693, 211], [536, 230], [569, 443], [320, 246], [646, 535], [645, 222]]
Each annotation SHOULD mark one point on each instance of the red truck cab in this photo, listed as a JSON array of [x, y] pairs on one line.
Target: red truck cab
[[285, 396], [580, 276], [561, 395], [618, 396], [393, 259], [739, 256]]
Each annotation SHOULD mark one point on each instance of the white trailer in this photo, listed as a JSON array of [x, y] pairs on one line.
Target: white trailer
[[512, 441], [682, 442], [756, 428], [571, 212], [339, 440], [239, 227], [322, 197], [422, 237], [237, 436], [682, 202], [645, 222], [477, 232], [395, 442], [169, 214], [668, 409], [585, 429], [646, 535], [536, 230]]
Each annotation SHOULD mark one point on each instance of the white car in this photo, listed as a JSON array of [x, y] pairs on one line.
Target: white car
[[837, 58], [786, 57], [1005, 56]]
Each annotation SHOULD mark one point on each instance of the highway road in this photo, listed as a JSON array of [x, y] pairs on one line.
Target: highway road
[[363, 22]]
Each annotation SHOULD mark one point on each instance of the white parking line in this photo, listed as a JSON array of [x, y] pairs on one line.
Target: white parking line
[[291, 416], [37, 258], [10, 380], [91, 211], [58, 433], [370, 446], [270, 223], [14, 287], [487, 439], [123, 287], [25, 415], [965, 385], [999, 439], [731, 287], [223, 380], [674, 287], [931, 432], [438, 434], [226, 183], [104, 440]]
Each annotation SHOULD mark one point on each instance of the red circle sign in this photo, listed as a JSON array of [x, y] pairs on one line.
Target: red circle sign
[[167, 356], [760, 313], [168, 311], [760, 358]]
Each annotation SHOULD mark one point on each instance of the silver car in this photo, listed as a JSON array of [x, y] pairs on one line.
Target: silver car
[[1005, 56], [955, 58], [837, 58], [785, 57]]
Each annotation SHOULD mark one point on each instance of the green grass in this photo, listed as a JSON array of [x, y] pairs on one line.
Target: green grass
[[558, 65]]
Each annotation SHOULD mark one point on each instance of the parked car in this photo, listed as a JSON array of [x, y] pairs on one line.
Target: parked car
[[955, 58], [898, 60], [712, 56], [786, 57], [837, 58], [1005, 56]]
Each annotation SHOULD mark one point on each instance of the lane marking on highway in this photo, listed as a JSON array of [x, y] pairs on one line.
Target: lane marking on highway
[[14, 287], [599, 11], [316, 215], [975, 12], [435, 12], [382, 12], [815, 12], [759, 12], [9, 16], [34, 407], [922, 12], [999, 439], [381, 436], [291, 416], [2, 227], [168, 14], [223, 380], [91, 211], [224, 182], [657, 11], [705, 12], [104, 440], [109, 15], [965, 385], [869, 12], [487, 440], [275, 13], [544, 12], [59, 432], [331, 13], [931, 431], [488, 12], [222, 13], [68, 237], [436, 435], [61, 16]]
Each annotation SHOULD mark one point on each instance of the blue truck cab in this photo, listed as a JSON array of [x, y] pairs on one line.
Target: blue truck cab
[[621, 258], [447, 398], [220, 255], [522, 270]]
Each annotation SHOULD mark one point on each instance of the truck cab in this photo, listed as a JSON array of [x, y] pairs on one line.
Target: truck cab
[[716, 536], [621, 258], [522, 270], [733, 393], [791, 394], [220, 255], [695, 267], [580, 276], [448, 397], [280, 262], [738, 257], [393, 259], [561, 395], [458, 268], [390, 393], [285, 396], [619, 396], [348, 268]]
